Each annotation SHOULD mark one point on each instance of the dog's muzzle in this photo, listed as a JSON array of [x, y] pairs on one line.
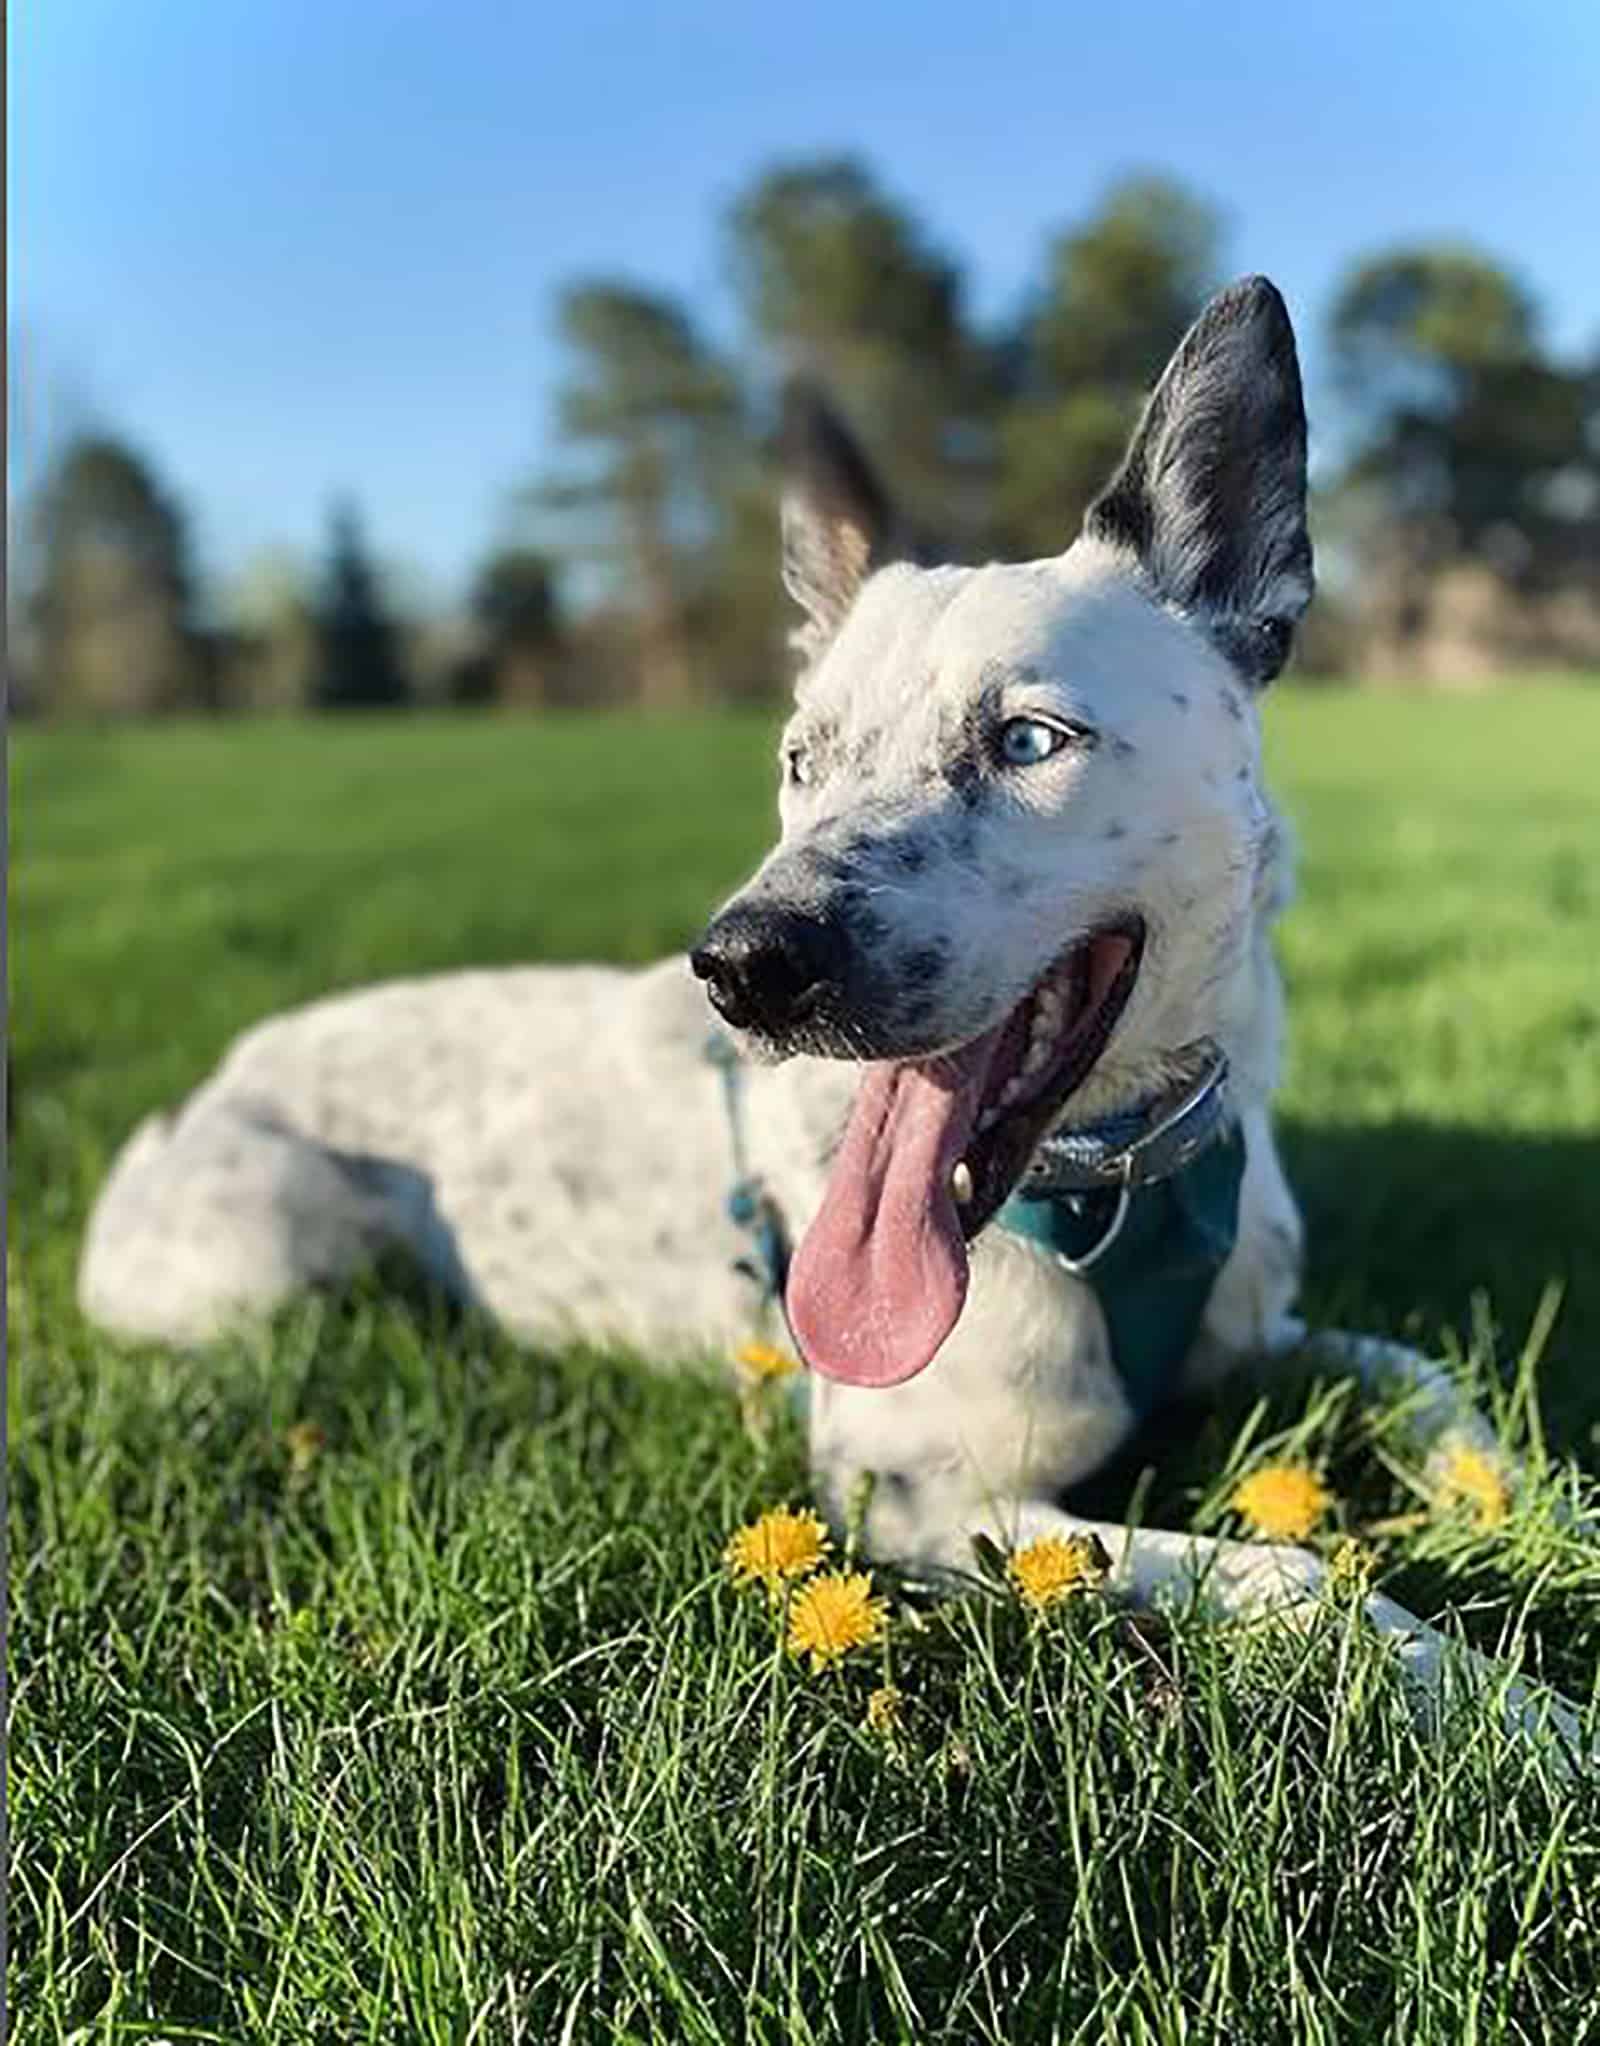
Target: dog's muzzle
[[769, 969]]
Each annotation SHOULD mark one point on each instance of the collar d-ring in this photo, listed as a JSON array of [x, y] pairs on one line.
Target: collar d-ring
[[1113, 1229]]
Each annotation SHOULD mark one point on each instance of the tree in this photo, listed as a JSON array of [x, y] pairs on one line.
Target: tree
[[1120, 291], [112, 598], [1409, 325], [652, 414], [1470, 492], [358, 663], [838, 279], [276, 654], [514, 612], [1461, 425]]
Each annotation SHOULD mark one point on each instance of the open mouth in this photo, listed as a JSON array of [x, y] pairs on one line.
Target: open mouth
[[932, 1148]]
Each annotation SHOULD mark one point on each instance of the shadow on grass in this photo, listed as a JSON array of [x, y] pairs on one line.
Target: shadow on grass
[[1407, 1221], [1407, 1224]]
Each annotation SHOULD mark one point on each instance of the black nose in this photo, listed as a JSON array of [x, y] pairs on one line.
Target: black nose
[[768, 969]]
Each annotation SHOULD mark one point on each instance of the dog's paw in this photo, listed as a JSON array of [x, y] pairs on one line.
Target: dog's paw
[[1443, 1673]]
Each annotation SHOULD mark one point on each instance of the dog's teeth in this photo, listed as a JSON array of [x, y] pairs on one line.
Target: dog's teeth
[[961, 1183], [1040, 1046]]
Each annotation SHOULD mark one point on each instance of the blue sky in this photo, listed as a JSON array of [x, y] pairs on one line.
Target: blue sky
[[302, 246]]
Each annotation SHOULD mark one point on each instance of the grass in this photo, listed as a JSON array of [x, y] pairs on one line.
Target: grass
[[377, 1679]]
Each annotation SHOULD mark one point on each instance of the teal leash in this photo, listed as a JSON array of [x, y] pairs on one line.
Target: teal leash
[[750, 1206]]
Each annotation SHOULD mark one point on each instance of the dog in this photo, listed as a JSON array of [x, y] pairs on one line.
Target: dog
[[1001, 1030]]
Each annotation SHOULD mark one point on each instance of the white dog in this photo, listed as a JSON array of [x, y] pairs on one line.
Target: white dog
[[1009, 1011]]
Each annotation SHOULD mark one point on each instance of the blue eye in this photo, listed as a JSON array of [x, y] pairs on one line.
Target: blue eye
[[1024, 742]]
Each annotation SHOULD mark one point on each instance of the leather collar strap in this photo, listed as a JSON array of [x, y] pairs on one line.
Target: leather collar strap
[[1141, 1146]]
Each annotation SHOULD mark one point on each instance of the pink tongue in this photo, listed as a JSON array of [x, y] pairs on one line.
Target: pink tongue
[[880, 1277]]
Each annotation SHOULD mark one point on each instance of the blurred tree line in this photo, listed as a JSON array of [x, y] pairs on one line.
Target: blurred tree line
[[1457, 470]]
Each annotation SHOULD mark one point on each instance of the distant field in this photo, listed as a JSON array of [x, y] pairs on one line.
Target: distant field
[[442, 1720]]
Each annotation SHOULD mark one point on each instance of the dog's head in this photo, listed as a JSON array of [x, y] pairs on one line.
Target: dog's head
[[1024, 838]]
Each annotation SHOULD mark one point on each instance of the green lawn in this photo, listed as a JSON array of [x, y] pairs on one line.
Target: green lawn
[[377, 1679]]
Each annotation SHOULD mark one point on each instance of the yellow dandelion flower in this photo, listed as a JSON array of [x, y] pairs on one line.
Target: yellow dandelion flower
[[1052, 1567], [1472, 1477], [833, 1614], [779, 1547], [1283, 1500], [765, 1362], [885, 1709]]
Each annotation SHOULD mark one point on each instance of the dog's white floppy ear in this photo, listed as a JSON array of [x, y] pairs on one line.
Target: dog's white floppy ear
[[1211, 495], [838, 525]]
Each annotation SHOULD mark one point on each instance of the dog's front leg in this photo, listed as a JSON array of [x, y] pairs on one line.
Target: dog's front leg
[[1439, 1421], [1154, 1567], [1442, 1426], [1243, 1579]]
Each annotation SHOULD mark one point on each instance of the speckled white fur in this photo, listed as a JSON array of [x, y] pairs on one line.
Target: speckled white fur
[[550, 1144]]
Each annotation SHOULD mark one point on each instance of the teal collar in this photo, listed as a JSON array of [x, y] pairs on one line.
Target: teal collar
[[1136, 1146], [1149, 1241]]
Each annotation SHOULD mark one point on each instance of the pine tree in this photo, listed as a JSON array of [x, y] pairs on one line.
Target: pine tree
[[358, 666], [111, 606]]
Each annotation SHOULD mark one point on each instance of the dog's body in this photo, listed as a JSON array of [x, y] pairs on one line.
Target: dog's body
[[1024, 833]]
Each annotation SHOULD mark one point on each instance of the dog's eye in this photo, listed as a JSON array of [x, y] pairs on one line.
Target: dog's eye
[[1024, 742], [796, 767]]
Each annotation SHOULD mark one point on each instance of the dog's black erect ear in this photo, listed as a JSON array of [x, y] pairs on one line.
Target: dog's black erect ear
[[1211, 495], [838, 525]]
